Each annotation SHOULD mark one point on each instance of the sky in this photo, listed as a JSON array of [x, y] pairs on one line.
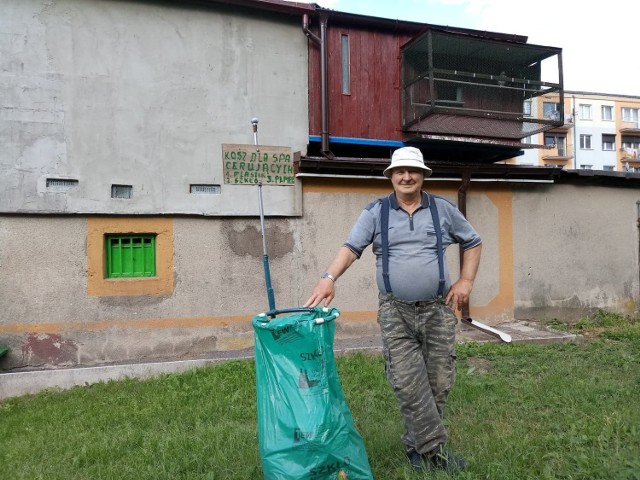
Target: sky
[[598, 44]]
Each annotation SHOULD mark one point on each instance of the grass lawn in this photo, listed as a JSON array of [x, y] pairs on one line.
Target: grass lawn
[[520, 411]]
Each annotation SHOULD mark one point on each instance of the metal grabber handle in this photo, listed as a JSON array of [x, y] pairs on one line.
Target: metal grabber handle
[[265, 255]]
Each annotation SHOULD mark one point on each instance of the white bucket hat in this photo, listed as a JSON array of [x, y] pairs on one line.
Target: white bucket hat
[[407, 157]]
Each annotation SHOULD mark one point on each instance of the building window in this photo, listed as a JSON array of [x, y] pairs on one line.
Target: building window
[[630, 146], [629, 141], [607, 112], [586, 167], [129, 256], [608, 142], [585, 142], [121, 191], [585, 112], [211, 189], [346, 61], [629, 114], [98, 283], [526, 108], [556, 141], [608, 168], [61, 184], [550, 111]]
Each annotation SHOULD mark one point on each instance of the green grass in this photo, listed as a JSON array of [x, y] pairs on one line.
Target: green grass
[[520, 411]]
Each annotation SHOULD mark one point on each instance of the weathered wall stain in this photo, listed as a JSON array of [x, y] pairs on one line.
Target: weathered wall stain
[[248, 240], [43, 348]]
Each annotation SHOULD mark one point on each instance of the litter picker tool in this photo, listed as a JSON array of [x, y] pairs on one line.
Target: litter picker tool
[[265, 256], [305, 428], [505, 337]]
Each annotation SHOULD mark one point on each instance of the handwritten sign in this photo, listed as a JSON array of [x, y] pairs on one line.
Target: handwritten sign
[[253, 164]]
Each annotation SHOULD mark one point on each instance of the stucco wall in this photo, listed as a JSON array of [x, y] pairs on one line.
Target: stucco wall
[[549, 251], [576, 250], [144, 94]]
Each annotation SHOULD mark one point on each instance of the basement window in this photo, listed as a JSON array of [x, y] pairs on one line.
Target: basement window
[[61, 184], [210, 189], [130, 256], [121, 191]]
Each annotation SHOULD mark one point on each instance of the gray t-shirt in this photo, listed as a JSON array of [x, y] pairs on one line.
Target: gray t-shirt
[[413, 255]]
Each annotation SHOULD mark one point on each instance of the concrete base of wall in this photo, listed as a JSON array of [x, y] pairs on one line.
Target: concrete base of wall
[[25, 383], [31, 382], [16, 384]]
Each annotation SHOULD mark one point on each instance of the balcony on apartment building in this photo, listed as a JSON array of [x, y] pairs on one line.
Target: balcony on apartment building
[[557, 152], [630, 159], [462, 86], [629, 154]]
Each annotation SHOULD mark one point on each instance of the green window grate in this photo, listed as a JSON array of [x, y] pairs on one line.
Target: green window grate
[[131, 256]]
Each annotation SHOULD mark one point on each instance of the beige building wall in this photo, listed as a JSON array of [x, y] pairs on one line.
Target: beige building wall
[[549, 251], [576, 250]]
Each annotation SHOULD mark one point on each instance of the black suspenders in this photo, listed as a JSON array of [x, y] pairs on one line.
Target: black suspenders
[[384, 232]]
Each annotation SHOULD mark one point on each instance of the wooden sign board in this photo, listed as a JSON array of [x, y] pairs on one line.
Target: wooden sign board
[[253, 164]]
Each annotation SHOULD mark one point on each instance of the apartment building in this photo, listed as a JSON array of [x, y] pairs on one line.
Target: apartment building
[[600, 132]]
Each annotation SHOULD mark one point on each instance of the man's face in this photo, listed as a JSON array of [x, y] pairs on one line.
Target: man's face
[[407, 180]]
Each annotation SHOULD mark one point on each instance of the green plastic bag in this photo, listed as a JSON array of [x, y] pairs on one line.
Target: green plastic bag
[[305, 428]]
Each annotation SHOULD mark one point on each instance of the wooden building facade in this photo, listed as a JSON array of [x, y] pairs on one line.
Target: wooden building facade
[[457, 94]]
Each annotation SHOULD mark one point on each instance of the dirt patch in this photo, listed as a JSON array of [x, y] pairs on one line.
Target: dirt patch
[[479, 365]]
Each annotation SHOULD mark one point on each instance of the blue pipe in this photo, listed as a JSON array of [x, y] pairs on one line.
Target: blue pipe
[[360, 141]]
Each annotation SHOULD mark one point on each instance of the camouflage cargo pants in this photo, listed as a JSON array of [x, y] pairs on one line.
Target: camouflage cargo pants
[[419, 348]]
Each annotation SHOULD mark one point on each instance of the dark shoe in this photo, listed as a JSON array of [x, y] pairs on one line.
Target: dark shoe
[[420, 463], [448, 461]]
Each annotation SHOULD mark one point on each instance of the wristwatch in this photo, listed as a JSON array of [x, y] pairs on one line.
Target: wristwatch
[[329, 276]]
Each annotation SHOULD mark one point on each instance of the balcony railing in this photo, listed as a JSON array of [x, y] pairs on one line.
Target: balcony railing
[[558, 152], [630, 153]]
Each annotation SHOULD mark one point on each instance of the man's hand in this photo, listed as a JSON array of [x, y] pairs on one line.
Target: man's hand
[[325, 290], [459, 292], [458, 295]]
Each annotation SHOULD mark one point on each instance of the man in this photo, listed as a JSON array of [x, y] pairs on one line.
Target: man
[[416, 299]]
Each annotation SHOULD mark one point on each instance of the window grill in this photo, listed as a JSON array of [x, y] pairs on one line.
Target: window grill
[[130, 256], [61, 184], [206, 189]]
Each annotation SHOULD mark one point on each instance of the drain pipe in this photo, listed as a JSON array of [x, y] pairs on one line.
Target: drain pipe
[[638, 224], [576, 140], [324, 78], [462, 206]]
